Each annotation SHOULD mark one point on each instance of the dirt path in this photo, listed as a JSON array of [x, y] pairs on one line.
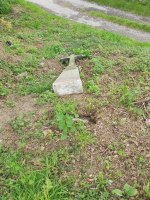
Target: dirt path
[[73, 10]]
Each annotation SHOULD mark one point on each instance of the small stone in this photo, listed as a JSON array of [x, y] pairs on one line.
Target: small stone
[[41, 63], [147, 122], [46, 132], [45, 69], [80, 120], [115, 156], [91, 180], [42, 148], [22, 75]]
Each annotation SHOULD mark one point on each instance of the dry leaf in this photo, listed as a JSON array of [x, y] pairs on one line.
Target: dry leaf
[[37, 164], [47, 132]]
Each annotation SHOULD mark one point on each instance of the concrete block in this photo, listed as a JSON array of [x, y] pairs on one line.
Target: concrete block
[[68, 82]]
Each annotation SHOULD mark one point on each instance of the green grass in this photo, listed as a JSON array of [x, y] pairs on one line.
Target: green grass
[[5, 7], [45, 155], [121, 21], [137, 7]]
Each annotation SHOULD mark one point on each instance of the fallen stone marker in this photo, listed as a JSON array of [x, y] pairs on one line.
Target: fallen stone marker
[[69, 81]]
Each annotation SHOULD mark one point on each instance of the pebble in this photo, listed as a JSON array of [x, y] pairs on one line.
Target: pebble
[[80, 120], [41, 63], [147, 122], [42, 148], [147, 156], [22, 75]]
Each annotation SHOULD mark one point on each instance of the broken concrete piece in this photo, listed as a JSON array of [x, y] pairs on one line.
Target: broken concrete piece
[[68, 82]]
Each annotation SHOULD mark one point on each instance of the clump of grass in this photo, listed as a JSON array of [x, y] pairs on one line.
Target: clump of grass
[[51, 50], [136, 6], [92, 87], [121, 21], [5, 7], [101, 64]]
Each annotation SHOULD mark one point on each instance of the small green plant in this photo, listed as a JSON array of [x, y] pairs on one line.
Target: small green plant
[[46, 97], [100, 65], [91, 104], [50, 51], [32, 50], [36, 24], [103, 102], [92, 87], [141, 64], [147, 189], [113, 145], [129, 191], [121, 153], [19, 123], [3, 90], [141, 158], [5, 7], [9, 103], [127, 96], [65, 123], [102, 181], [119, 173], [86, 53], [107, 164], [20, 51], [136, 185]]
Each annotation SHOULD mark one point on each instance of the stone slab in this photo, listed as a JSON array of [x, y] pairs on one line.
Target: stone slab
[[68, 82]]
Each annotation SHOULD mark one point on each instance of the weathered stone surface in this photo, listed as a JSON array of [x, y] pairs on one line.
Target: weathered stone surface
[[68, 82]]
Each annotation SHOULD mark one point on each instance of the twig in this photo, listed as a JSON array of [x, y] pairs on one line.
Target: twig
[[144, 100], [145, 108], [97, 152], [101, 151], [104, 151]]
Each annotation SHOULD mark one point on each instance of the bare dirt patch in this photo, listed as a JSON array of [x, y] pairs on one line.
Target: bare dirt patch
[[17, 9], [20, 105], [51, 66]]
